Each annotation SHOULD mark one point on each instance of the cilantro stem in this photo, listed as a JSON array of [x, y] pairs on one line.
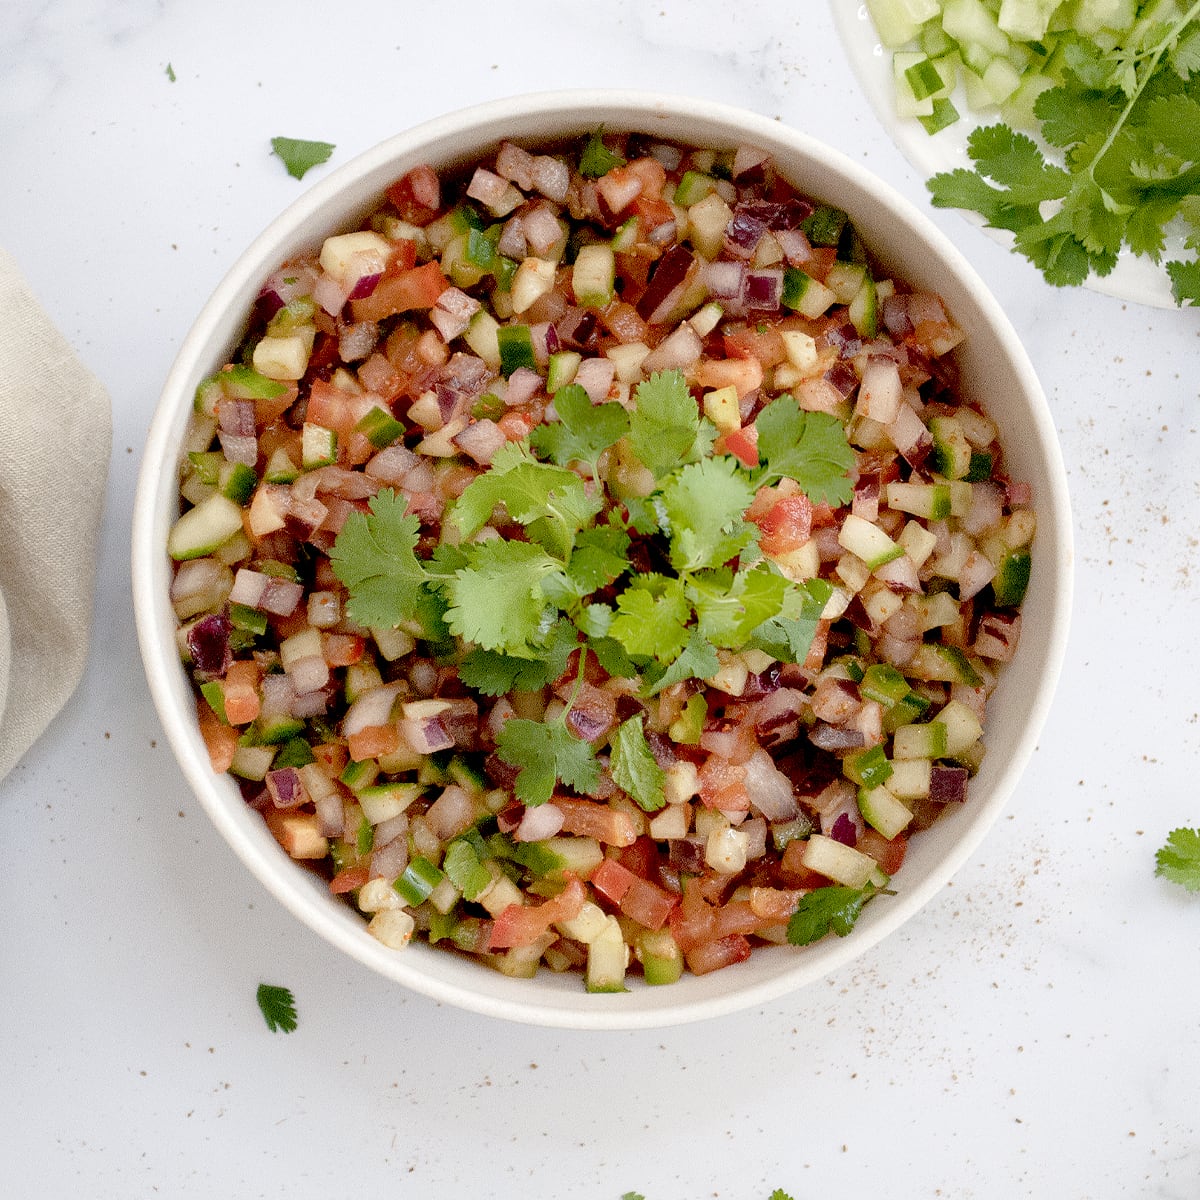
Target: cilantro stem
[[1143, 79]]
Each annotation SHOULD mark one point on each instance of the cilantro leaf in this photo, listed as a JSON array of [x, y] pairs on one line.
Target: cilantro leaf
[[665, 427], [597, 159], [374, 557], [600, 557], [634, 768], [551, 498], [697, 660], [789, 636], [498, 601], [1179, 859], [827, 909], [300, 156], [612, 656], [1185, 282], [170, 73], [705, 505], [278, 1007], [779, 1194], [496, 674], [652, 613], [546, 751], [731, 606], [583, 430], [809, 447]]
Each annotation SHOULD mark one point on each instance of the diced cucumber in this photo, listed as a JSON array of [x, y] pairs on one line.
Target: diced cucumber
[[593, 275], [883, 811], [971, 23], [482, 337], [868, 542], [951, 451], [722, 409], [928, 500], [280, 468], [607, 959], [806, 295], [380, 427], [561, 369], [382, 801], [844, 279], [841, 863], [899, 21], [693, 187], [962, 727], [252, 762], [318, 446], [919, 741], [945, 664], [1011, 579], [864, 309], [707, 220], [910, 778], [534, 278], [943, 115], [660, 956], [869, 769], [825, 225], [244, 383], [200, 530], [515, 344], [884, 684], [419, 878]]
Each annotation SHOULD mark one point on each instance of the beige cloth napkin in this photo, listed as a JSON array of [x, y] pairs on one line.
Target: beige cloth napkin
[[55, 438]]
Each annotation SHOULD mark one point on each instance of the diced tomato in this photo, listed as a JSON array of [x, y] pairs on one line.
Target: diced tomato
[[642, 858], [343, 649], [693, 920], [738, 916], [888, 854], [522, 925], [712, 956], [762, 342], [417, 196], [331, 407], [373, 741], [743, 445], [331, 758], [623, 321], [785, 526], [652, 210], [268, 409], [585, 818], [612, 880], [350, 880], [242, 701], [516, 425], [818, 647], [220, 740], [416, 288]]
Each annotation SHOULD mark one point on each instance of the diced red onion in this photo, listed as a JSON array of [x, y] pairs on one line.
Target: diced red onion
[[1020, 494], [366, 283], [356, 341], [452, 812], [523, 384], [312, 703], [551, 177], [763, 289], [834, 738], [390, 860], [975, 574], [998, 636], [723, 278], [480, 440], [743, 233], [208, 644], [770, 789], [538, 823], [541, 228], [680, 350], [948, 785], [516, 165], [900, 575], [371, 709], [392, 465], [795, 246], [285, 788], [987, 508], [881, 394], [747, 158], [331, 294], [842, 829], [595, 376], [512, 243], [487, 187], [393, 827], [236, 417], [426, 735], [453, 312], [330, 814]]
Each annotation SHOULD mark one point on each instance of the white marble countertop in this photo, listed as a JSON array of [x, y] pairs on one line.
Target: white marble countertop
[[1032, 1032]]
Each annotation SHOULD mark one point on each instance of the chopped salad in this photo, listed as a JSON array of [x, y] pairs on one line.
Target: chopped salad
[[590, 564]]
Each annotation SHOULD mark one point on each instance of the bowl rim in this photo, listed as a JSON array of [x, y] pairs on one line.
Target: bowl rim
[[577, 108]]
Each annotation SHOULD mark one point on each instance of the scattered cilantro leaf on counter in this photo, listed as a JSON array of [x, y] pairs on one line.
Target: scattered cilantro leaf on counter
[[779, 1194], [809, 447], [833, 909], [300, 156], [374, 557], [634, 769], [1179, 859], [170, 73], [278, 1007]]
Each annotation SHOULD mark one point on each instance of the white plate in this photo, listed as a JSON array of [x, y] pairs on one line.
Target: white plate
[[1134, 278]]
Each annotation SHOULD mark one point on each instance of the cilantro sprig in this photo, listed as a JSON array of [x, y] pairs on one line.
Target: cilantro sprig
[[1178, 860], [540, 564], [824, 910], [1125, 118]]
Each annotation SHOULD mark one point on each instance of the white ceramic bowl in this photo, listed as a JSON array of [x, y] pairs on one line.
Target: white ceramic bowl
[[993, 366]]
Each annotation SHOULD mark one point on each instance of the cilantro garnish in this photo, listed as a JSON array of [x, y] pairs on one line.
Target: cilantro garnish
[[705, 505], [583, 430], [1126, 119], [278, 1007], [665, 426], [651, 618], [374, 557], [634, 768], [833, 909], [597, 159], [809, 447], [1179, 859], [300, 156]]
